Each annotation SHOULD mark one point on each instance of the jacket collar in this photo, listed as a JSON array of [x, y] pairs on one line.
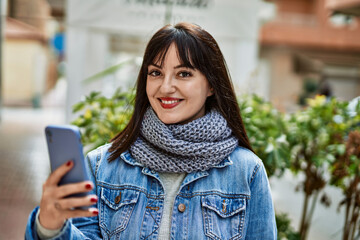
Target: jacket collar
[[126, 156], [191, 177]]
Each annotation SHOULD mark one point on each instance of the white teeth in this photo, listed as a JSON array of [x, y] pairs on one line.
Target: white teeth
[[170, 102]]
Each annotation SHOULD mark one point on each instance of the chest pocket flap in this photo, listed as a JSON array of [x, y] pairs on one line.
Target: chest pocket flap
[[224, 206], [115, 198], [116, 207]]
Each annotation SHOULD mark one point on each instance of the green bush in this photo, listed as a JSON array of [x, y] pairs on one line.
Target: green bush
[[285, 230], [102, 118], [313, 134], [266, 129]]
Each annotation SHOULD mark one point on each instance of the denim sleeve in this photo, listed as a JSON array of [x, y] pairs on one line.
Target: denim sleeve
[[76, 228], [260, 209]]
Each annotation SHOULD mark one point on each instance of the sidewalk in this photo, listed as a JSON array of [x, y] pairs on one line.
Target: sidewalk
[[24, 165]]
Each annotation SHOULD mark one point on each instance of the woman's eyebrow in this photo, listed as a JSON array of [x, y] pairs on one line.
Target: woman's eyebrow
[[176, 67]]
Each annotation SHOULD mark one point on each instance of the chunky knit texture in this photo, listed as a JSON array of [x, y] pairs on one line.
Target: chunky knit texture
[[195, 146]]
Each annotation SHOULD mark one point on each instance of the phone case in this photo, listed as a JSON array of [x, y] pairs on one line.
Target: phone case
[[64, 144]]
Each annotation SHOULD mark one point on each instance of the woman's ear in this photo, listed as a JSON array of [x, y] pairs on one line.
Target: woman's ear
[[211, 92]]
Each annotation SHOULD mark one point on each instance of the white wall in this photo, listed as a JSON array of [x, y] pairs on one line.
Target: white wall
[[233, 23]]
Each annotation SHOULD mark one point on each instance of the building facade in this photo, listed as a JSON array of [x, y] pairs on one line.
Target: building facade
[[307, 43], [101, 34]]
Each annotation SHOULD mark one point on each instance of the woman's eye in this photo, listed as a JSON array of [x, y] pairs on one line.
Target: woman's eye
[[154, 73], [185, 74]]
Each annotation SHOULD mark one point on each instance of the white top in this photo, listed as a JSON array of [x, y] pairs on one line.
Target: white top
[[171, 183]]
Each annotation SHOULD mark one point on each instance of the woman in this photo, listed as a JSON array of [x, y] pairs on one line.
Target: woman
[[183, 167]]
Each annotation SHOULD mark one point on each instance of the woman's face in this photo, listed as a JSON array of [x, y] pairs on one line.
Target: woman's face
[[176, 93]]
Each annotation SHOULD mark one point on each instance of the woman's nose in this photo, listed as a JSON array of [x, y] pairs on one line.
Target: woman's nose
[[167, 85]]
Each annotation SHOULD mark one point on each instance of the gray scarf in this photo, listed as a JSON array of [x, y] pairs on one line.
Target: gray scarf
[[195, 146]]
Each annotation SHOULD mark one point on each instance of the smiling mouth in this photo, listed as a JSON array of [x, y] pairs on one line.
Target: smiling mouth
[[169, 103]]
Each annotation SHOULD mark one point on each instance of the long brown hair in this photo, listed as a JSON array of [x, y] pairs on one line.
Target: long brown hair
[[196, 49]]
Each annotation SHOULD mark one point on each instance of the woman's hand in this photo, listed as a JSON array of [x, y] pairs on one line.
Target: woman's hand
[[55, 208]]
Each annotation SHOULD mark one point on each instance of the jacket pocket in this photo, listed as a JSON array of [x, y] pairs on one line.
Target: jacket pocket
[[116, 207], [223, 217]]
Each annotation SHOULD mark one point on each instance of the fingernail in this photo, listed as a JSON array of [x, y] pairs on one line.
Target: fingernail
[[68, 163], [93, 199], [95, 212], [88, 186]]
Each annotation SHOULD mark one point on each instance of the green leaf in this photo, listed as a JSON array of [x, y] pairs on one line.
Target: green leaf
[[78, 106]]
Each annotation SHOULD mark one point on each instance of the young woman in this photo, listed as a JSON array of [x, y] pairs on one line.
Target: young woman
[[183, 167]]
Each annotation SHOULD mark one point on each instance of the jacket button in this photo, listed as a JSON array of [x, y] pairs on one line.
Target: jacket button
[[118, 198], [182, 207]]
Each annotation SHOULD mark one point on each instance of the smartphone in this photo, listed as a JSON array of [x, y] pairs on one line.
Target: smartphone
[[64, 144]]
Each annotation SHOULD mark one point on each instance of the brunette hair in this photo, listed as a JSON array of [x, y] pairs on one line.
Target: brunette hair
[[197, 49]]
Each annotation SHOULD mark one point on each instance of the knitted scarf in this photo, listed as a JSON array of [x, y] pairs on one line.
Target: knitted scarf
[[195, 146]]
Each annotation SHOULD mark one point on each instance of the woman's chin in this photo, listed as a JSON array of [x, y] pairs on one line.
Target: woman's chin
[[169, 121]]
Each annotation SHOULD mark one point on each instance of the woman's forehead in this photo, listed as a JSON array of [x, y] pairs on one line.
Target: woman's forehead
[[184, 56]]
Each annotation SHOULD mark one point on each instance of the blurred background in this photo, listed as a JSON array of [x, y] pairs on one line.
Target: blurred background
[[53, 53]]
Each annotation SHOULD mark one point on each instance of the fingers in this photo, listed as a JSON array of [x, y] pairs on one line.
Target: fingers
[[56, 175], [53, 212], [67, 189], [73, 188], [80, 213], [56, 220], [71, 203], [56, 206], [69, 208]]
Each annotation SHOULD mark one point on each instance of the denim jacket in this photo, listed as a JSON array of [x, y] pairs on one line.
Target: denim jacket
[[230, 201]]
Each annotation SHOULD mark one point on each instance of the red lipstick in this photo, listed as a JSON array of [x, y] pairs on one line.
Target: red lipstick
[[169, 103]]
